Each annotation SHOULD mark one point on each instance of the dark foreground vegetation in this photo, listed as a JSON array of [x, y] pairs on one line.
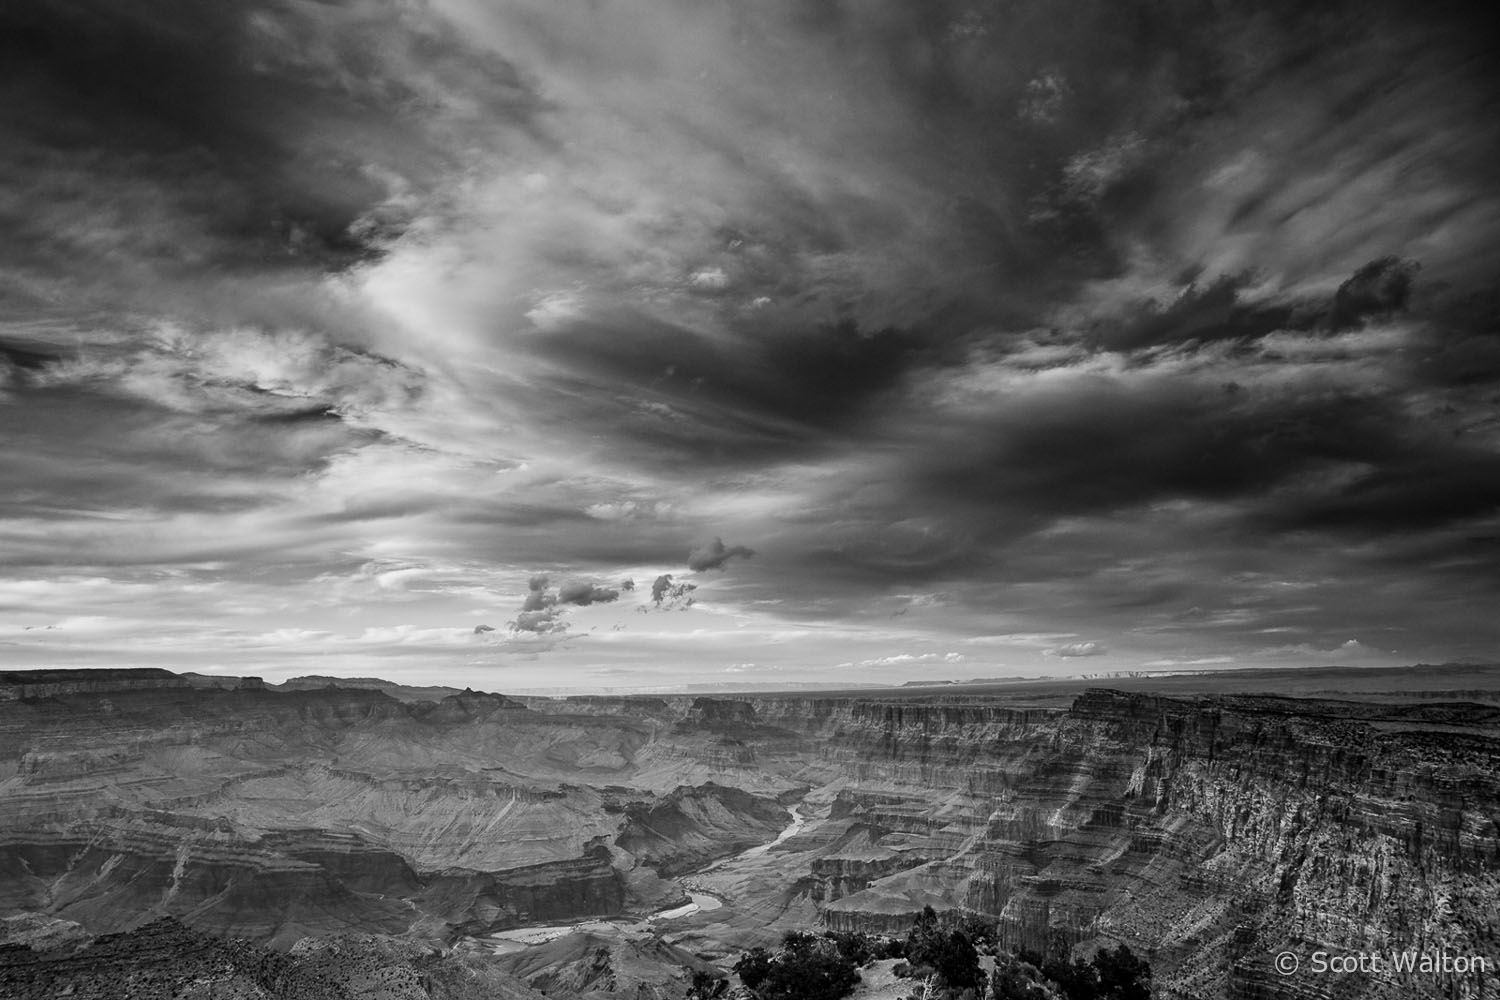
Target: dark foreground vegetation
[[941, 956]]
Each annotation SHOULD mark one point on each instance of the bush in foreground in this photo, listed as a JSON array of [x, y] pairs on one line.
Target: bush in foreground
[[1114, 974], [945, 945], [803, 968]]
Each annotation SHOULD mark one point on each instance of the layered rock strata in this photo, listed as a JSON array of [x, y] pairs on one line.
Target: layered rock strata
[[1208, 832]]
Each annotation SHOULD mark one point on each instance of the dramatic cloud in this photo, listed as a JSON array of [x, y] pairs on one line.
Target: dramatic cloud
[[537, 597], [1380, 288], [665, 593], [542, 622], [1030, 330], [715, 555], [581, 592]]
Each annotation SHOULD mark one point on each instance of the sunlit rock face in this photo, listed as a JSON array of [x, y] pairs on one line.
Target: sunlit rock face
[[1208, 833]]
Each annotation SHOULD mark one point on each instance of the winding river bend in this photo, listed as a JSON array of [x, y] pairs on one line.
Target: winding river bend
[[517, 939], [794, 828]]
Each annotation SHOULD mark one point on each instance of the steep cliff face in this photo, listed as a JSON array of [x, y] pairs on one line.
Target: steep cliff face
[[19, 684], [1211, 834]]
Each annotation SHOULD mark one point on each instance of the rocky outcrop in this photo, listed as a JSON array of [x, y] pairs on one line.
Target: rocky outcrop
[[601, 961], [692, 826], [478, 903]]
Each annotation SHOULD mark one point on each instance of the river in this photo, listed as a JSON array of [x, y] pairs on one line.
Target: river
[[517, 939]]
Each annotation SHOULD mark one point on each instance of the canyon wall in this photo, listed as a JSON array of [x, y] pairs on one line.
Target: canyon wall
[[1209, 833]]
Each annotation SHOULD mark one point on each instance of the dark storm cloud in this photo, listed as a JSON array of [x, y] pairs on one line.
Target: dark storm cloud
[[1380, 288], [716, 555], [1459, 338], [772, 389], [665, 593], [1104, 445], [25, 357], [244, 137], [1426, 490], [1079, 313], [1202, 314], [142, 458], [583, 593], [1222, 310], [1061, 180]]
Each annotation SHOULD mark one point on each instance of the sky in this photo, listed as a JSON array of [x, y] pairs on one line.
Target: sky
[[593, 344]]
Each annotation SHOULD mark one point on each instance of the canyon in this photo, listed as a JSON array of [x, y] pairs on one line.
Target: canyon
[[280, 832]]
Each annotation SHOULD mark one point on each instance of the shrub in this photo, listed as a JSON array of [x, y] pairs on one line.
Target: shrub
[[1122, 974], [943, 944], [706, 986], [1114, 974], [753, 967], [856, 947], [804, 968], [1017, 979], [1078, 979]]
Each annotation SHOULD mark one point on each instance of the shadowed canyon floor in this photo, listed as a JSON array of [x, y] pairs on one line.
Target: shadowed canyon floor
[[363, 841]]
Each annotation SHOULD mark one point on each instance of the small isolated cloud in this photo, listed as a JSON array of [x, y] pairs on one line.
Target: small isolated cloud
[[538, 599], [1044, 98], [908, 659], [582, 592], [710, 278], [1351, 649], [1088, 175], [481, 629], [540, 622], [665, 593], [542, 610], [1071, 649], [555, 310], [627, 585], [715, 555]]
